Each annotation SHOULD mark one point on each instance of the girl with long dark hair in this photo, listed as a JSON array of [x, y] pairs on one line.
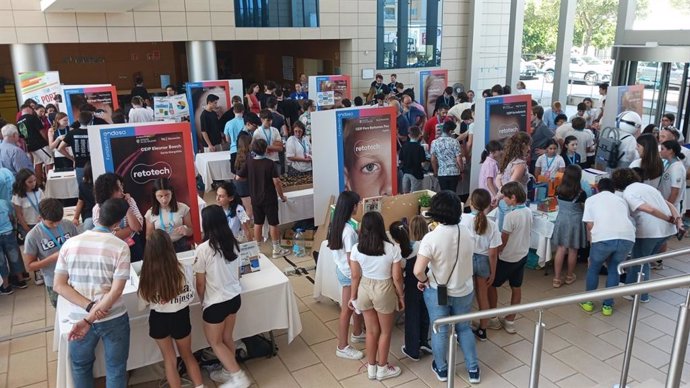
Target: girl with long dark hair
[[238, 220], [569, 231], [650, 163], [170, 215]]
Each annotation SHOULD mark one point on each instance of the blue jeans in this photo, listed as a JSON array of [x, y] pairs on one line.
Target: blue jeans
[[115, 336], [9, 253], [643, 247], [79, 172], [439, 341], [611, 252]]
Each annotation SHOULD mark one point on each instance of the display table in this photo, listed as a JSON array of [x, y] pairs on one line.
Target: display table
[[268, 303], [62, 185], [213, 166], [299, 206], [326, 283], [540, 236]]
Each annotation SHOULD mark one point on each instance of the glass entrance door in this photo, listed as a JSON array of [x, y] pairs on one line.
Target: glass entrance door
[[666, 91]]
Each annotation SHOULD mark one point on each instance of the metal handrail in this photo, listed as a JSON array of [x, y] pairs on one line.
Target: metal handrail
[[680, 338], [655, 285], [650, 259]]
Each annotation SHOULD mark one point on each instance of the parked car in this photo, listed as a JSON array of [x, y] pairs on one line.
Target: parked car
[[649, 74], [582, 68], [527, 70]]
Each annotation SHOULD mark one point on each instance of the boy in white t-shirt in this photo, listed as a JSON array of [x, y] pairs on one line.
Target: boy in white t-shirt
[[512, 254]]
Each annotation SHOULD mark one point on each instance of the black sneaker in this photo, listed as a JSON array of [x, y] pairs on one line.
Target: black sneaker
[[19, 284], [480, 334], [441, 375], [408, 355], [425, 348], [474, 376], [6, 290]]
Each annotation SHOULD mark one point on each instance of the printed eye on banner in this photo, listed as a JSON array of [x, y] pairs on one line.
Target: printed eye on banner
[[144, 173]]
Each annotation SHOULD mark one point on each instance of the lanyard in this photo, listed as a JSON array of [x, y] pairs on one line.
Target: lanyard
[[99, 228], [56, 240], [268, 137], [34, 203], [162, 224], [516, 207], [304, 145], [549, 162], [60, 132], [572, 159]]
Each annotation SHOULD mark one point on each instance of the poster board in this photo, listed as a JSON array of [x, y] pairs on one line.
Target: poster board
[[41, 86], [431, 85], [103, 97], [328, 91], [620, 99], [358, 143], [170, 107], [498, 118], [196, 99], [143, 152]]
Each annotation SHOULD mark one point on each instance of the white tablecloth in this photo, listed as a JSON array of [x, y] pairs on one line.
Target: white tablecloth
[[268, 303], [299, 206], [540, 236], [62, 185], [213, 166], [326, 283]]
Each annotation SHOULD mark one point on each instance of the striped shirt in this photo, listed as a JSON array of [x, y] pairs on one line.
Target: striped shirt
[[92, 261], [123, 224]]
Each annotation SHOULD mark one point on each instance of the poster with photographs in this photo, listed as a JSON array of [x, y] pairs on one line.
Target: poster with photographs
[[328, 91], [431, 85], [366, 143], [143, 152], [506, 116], [197, 93], [103, 98], [170, 107]]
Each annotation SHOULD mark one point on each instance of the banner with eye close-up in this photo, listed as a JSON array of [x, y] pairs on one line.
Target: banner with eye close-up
[[197, 93], [143, 152], [432, 83]]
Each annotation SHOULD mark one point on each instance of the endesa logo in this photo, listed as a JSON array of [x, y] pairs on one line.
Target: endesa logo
[[143, 173]]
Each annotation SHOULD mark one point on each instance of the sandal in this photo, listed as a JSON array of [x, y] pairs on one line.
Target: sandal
[[570, 279], [556, 283]]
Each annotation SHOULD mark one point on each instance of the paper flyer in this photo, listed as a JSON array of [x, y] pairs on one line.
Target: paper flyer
[[196, 98], [142, 153], [506, 116], [41, 86], [104, 98], [366, 140], [432, 83]]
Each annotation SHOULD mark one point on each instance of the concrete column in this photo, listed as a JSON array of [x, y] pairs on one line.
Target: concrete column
[[517, 19], [566, 28], [474, 35], [27, 57], [201, 60]]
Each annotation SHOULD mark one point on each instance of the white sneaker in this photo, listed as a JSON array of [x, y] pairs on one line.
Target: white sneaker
[[280, 252], [38, 278], [508, 326], [349, 352], [494, 324], [371, 371], [237, 380], [220, 375], [387, 371], [357, 339]]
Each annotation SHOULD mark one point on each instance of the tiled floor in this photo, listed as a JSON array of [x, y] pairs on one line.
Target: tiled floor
[[580, 349]]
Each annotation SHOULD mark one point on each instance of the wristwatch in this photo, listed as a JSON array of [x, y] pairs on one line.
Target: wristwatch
[[89, 306]]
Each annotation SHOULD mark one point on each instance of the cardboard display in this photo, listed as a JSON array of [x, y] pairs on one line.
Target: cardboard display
[[620, 99], [143, 152], [328, 91], [431, 84]]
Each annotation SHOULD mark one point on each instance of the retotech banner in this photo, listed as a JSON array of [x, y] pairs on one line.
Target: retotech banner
[[506, 116], [142, 153]]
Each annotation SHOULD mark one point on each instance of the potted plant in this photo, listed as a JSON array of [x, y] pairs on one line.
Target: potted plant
[[424, 203]]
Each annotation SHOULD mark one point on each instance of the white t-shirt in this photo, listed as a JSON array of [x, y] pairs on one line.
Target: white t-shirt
[[648, 226], [482, 243], [674, 177], [550, 165], [141, 115], [519, 224], [222, 276], [296, 148], [628, 150], [171, 220], [235, 223], [377, 267], [270, 136], [340, 255], [29, 205], [686, 160], [611, 217], [637, 163], [562, 130], [585, 139], [183, 299], [442, 248]]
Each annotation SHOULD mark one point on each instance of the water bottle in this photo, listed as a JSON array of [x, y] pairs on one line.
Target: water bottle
[[298, 243]]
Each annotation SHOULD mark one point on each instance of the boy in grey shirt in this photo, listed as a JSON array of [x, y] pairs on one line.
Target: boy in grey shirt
[[43, 242]]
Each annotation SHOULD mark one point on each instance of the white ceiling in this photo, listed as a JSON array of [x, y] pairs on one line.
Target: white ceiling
[[91, 5]]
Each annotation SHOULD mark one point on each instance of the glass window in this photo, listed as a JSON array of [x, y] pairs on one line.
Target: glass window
[[408, 33], [664, 15], [277, 13]]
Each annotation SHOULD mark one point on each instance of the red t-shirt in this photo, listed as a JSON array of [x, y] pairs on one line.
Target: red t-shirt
[[430, 128]]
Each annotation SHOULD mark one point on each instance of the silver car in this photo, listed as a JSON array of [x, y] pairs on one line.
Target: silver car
[[649, 74], [589, 70]]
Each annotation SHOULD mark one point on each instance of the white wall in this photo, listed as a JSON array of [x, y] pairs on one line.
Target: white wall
[[493, 46]]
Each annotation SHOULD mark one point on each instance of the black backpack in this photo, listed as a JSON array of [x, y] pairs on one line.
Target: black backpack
[[608, 149]]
